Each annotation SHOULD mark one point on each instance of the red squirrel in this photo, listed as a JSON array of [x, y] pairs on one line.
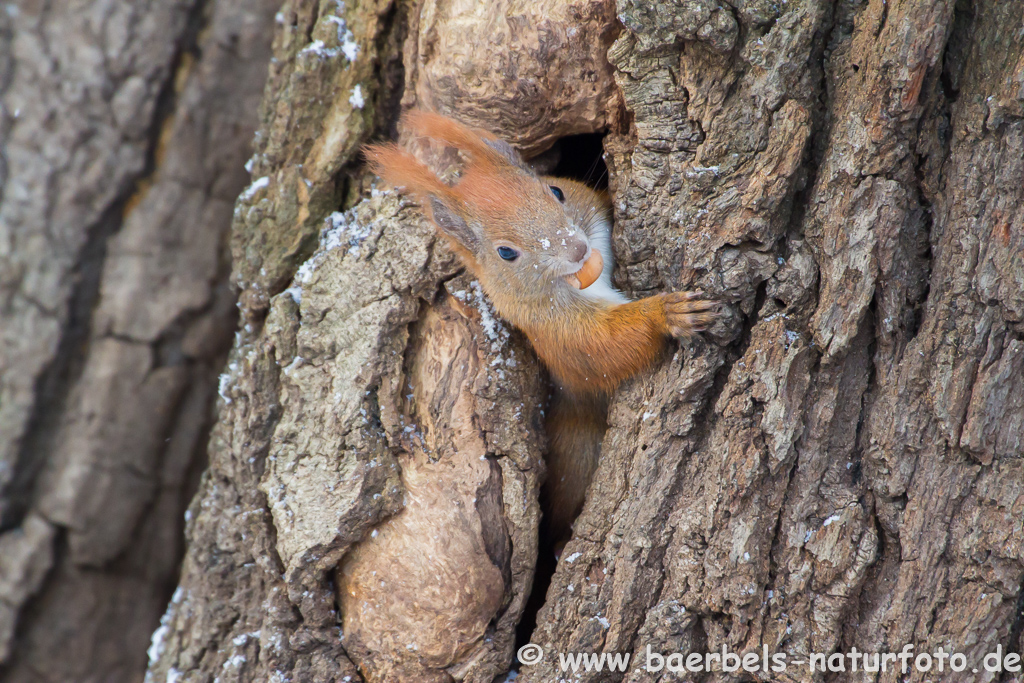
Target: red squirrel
[[541, 249]]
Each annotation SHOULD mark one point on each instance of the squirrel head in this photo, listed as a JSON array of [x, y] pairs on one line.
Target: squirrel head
[[515, 230]]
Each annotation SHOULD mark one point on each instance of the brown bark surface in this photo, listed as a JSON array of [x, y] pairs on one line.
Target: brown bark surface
[[125, 128], [837, 465]]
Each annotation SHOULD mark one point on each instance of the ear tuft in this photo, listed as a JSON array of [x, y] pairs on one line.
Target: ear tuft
[[402, 169], [399, 168], [509, 152], [482, 147]]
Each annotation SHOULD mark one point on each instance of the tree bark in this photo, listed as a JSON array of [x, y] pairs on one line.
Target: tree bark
[[837, 465], [125, 128]]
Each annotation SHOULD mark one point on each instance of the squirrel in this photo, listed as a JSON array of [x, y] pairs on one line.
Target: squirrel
[[541, 249]]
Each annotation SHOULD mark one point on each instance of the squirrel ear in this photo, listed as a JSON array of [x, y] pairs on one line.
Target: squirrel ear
[[453, 224], [508, 151]]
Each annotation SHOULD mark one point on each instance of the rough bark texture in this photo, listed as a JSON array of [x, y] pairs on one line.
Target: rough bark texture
[[124, 133], [822, 482], [839, 465]]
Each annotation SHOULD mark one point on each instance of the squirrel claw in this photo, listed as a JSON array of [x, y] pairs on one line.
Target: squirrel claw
[[687, 313]]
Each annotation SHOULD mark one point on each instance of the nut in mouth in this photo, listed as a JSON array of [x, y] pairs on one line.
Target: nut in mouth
[[588, 272]]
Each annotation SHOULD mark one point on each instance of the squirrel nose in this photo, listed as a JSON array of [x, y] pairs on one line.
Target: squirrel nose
[[578, 251]]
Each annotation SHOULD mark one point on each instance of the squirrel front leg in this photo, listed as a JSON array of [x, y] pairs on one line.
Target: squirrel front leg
[[597, 347], [613, 343]]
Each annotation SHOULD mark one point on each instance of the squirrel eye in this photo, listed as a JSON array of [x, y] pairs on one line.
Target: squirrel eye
[[508, 253], [557, 191]]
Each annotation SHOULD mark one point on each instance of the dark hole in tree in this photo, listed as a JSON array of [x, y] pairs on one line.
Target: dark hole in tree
[[580, 157]]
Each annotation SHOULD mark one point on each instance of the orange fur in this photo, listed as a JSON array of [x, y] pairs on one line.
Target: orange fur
[[454, 134], [489, 183], [402, 169], [591, 349], [575, 426], [399, 168], [589, 346]]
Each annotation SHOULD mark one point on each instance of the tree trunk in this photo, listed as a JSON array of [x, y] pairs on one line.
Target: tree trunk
[[125, 128], [838, 465]]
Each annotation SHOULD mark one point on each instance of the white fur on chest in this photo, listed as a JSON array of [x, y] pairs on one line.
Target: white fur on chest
[[600, 234]]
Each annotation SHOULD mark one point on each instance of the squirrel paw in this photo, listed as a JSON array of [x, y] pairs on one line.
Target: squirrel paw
[[687, 313]]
